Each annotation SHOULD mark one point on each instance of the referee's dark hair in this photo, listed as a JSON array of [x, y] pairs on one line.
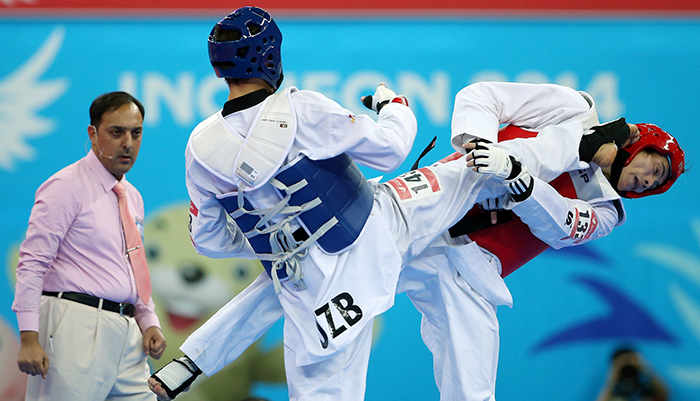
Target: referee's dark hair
[[109, 102]]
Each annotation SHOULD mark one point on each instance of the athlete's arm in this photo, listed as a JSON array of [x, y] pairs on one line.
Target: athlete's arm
[[481, 108], [326, 129], [553, 151], [561, 222]]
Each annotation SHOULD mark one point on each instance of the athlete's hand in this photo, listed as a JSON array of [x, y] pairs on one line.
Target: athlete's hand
[[634, 135], [606, 154], [487, 159], [381, 97], [521, 185], [600, 146], [32, 358]]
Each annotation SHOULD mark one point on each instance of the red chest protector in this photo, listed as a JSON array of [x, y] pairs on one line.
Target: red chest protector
[[511, 241]]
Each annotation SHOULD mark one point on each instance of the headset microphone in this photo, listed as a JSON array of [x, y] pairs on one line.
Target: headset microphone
[[103, 155], [100, 150]]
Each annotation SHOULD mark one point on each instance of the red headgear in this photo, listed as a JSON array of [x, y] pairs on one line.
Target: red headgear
[[655, 138]]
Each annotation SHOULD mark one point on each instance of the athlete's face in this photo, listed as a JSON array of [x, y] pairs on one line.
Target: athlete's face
[[117, 140], [645, 171]]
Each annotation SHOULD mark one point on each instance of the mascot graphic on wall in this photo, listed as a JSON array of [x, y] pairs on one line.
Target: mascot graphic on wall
[[188, 289]]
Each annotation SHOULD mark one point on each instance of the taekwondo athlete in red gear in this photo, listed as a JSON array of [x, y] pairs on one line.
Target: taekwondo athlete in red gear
[[467, 270]]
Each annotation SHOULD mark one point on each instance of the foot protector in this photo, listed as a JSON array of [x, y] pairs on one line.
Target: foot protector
[[177, 375]]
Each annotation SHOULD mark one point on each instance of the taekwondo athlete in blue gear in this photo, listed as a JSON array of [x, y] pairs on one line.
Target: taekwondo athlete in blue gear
[[328, 299], [258, 175]]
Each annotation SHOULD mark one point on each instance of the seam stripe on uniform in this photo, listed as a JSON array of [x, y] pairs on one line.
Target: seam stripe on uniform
[[401, 189], [432, 179], [574, 226]]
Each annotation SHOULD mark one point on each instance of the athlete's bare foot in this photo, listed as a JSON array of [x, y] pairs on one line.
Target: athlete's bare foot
[[155, 387]]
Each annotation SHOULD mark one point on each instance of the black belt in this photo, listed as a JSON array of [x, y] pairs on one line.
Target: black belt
[[480, 221], [89, 300]]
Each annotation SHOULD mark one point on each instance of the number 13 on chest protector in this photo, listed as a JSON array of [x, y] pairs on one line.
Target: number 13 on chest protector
[[415, 184]]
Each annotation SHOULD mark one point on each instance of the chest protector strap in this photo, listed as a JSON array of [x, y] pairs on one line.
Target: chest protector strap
[[330, 199]]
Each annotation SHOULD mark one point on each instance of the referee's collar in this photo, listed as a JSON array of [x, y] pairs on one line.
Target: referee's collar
[[245, 101]]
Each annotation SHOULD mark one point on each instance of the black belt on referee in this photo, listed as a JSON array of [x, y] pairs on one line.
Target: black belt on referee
[[122, 308]]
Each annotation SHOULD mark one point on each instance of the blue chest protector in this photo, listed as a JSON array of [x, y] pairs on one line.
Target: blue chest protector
[[330, 198]]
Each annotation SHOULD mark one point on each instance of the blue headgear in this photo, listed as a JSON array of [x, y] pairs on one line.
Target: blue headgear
[[253, 48]]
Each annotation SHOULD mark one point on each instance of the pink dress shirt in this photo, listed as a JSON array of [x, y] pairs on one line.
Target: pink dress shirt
[[75, 243]]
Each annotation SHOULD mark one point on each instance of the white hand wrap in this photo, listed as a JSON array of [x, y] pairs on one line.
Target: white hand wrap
[[381, 97], [492, 160]]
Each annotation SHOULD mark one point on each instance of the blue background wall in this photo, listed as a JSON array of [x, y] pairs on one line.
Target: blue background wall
[[640, 285]]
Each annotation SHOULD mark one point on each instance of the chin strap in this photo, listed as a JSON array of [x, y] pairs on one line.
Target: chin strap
[[616, 168]]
